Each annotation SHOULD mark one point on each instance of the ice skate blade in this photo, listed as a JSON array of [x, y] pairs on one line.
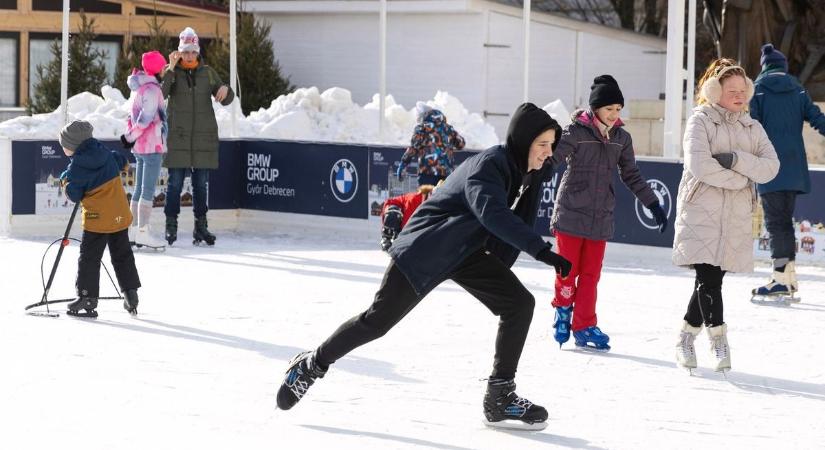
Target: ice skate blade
[[200, 243], [161, 248], [511, 424], [774, 300], [82, 315], [591, 348]]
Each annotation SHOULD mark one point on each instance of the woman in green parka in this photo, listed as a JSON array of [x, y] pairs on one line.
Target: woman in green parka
[[189, 86]]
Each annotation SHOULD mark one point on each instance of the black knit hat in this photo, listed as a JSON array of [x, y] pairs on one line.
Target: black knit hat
[[605, 91]]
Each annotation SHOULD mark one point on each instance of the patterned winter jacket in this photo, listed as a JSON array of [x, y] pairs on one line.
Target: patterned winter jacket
[[93, 179], [433, 144], [585, 200], [147, 126]]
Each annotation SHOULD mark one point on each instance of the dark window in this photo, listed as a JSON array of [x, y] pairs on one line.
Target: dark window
[[89, 6], [150, 12], [8, 4], [9, 85]]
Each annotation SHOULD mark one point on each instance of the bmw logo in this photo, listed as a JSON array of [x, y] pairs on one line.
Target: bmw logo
[[343, 180], [665, 200]]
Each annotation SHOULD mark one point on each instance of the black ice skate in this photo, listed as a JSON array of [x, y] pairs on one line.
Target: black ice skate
[[300, 375], [87, 304], [171, 229], [503, 408], [130, 301], [201, 232]]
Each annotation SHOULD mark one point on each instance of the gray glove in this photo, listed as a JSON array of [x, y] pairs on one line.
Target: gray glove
[[726, 160]]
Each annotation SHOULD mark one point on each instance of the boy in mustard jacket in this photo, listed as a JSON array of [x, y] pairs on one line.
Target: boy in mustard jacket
[[93, 179]]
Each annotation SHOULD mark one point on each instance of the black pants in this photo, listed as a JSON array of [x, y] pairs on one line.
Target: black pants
[[706, 302], [482, 275], [778, 207], [91, 252]]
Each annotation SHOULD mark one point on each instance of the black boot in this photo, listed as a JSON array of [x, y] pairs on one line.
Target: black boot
[[201, 232], [300, 375], [130, 301], [171, 229], [503, 408], [88, 304]]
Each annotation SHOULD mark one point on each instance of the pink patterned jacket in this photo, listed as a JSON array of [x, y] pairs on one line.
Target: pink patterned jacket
[[147, 126]]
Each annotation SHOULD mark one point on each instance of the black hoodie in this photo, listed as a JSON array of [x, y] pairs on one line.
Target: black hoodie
[[490, 197]]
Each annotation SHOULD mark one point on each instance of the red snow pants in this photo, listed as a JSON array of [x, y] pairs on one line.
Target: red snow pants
[[580, 287]]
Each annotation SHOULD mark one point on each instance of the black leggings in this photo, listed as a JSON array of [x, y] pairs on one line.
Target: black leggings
[[482, 275], [706, 302]]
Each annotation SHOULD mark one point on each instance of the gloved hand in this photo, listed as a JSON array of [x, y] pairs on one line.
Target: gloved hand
[[388, 235], [726, 160], [659, 215], [561, 265], [386, 243], [126, 144]]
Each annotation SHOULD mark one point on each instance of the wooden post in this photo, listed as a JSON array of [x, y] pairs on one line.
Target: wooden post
[[23, 51], [24, 7]]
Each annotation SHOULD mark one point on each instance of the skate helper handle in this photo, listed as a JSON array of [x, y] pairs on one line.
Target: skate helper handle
[[63, 244]]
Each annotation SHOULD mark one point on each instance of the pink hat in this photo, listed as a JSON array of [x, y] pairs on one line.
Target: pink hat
[[152, 62]]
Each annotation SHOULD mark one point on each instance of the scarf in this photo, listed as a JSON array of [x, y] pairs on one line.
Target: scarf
[[189, 66]]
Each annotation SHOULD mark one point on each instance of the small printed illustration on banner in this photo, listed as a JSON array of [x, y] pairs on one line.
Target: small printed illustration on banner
[[665, 200], [343, 180]]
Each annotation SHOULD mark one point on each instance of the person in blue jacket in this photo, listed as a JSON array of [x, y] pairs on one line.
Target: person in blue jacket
[[782, 105], [471, 231]]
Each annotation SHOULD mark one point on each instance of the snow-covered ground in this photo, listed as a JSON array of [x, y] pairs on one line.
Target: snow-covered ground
[[198, 368]]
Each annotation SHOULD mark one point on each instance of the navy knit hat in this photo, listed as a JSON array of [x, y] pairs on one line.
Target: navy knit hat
[[605, 91], [773, 58]]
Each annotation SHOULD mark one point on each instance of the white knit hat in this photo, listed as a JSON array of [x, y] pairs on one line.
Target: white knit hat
[[188, 41]]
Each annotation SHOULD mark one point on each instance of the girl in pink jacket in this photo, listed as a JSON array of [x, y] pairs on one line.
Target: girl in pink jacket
[[146, 136]]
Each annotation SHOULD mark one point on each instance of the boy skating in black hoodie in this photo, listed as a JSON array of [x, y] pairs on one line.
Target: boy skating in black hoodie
[[470, 231]]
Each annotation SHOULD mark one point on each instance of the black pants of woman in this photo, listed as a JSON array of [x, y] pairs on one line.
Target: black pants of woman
[[706, 302]]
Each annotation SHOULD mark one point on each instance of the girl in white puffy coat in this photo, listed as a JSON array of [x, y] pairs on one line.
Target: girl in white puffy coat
[[726, 152]]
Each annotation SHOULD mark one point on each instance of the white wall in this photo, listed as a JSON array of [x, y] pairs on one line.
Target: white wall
[[445, 51], [639, 70], [425, 53]]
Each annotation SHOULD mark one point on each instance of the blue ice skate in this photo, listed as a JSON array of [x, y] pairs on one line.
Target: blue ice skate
[[592, 338], [562, 324], [772, 288]]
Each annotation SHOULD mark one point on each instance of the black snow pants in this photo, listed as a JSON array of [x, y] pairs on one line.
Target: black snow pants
[[91, 252]]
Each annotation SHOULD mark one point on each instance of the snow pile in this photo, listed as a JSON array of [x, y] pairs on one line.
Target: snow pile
[[305, 114], [559, 112]]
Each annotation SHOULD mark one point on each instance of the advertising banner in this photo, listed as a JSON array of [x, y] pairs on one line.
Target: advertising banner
[[302, 177], [37, 166]]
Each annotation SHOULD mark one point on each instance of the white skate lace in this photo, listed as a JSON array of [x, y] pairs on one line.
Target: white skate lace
[[720, 348], [521, 403], [298, 386], [686, 345]]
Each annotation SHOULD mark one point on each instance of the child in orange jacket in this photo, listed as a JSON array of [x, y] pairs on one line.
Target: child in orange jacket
[[93, 179]]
